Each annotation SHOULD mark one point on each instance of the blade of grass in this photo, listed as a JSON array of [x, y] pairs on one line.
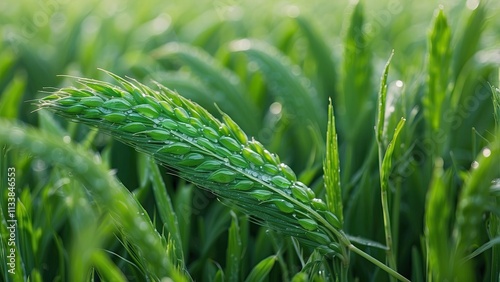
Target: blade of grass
[[10, 100], [385, 163], [380, 127], [290, 88], [437, 222], [468, 42], [166, 210], [496, 105], [356, 72], [261, 271], [354, 108], [107, 192], [183, 209], [107, 269], [286, 81], [494, 235], [385, 171], [327, 74], [486, 246], [234, 251], [471, 205]]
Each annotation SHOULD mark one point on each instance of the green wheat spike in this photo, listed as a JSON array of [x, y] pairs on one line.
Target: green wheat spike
[[213, 154]]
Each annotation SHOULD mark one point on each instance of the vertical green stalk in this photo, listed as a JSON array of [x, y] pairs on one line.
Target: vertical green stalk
[[385, 162], [385, 170], [437, 217], [352, 105], [167, 212]]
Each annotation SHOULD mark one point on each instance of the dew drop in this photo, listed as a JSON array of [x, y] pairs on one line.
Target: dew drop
[[240, 45], [292, 11], [265, 178], [475, 164], [486, 152], [275, 108], [472, 4], [67, 139], [39, 165]]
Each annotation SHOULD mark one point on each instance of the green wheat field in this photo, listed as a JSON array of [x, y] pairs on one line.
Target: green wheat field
[[250, 141]]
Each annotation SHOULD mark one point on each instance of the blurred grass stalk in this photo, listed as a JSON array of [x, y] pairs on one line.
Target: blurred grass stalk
[[126, 214]]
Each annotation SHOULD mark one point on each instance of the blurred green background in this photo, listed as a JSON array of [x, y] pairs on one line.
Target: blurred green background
[[272, 65]]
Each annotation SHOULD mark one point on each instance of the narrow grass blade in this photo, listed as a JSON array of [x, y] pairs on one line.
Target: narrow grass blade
[[89, 233], [494, 235], [437, 222], [10, 100], [331, 168], [496, 105], [300, 277], [234, 251], [472, 203], [261, 271], [486, 246], [106, 191], [469, 38], [325, 65], [166, 210], [380, 128], [354, 107], [356, 81], [385, 171], [286, 81], [107, 269], [183, 209], [291, 89], [7, 63], [219, 276]]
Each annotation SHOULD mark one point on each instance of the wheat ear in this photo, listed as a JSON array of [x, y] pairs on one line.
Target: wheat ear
[[215, 155]]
